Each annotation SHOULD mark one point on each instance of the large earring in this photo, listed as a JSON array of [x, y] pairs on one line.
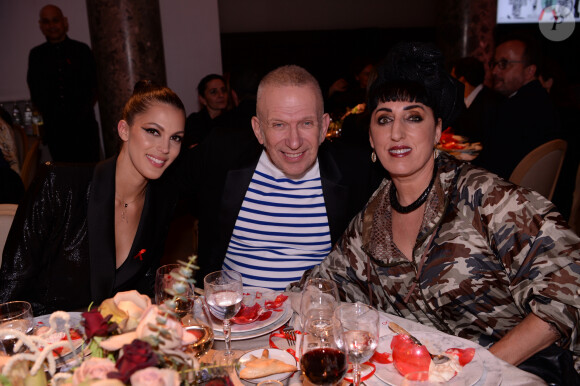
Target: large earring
[[374, 156]]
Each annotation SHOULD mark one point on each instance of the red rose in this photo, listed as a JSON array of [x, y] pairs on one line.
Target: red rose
[[136, 356], [96, 325]]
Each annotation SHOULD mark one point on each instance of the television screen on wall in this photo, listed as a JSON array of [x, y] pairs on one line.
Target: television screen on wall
[[534, 11]]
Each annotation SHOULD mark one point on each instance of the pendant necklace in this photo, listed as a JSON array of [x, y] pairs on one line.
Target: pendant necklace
[[126, 204], [415, 204]]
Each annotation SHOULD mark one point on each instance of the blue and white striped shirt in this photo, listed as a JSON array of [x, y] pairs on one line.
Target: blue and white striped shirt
[[282, 228]]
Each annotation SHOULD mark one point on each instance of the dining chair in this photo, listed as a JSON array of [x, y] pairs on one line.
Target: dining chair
[[540, 168], [30, 164], [7, 212]]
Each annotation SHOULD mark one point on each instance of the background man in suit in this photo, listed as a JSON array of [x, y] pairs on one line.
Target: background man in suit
[[63, 86], [271, 204], [527, 118], [480, 101]]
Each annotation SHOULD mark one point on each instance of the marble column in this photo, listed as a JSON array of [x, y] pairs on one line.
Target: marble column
[[128, 46], [465, 28]]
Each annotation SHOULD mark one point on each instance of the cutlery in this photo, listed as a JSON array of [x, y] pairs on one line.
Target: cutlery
[[290, 335], [437, 359]]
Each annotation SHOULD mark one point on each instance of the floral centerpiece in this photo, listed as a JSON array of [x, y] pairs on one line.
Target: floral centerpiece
[[130, 340]]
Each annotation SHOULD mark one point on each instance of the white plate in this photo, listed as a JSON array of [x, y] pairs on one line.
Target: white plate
[[282, 355], [259, 327], [75, 323], [279, 322], [436, 342]]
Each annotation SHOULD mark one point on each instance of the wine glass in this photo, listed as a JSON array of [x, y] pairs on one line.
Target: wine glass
[[15, 315], [322, 357], [319, 296], [165, 278], [224, 294], [198, 323], [360, 332]]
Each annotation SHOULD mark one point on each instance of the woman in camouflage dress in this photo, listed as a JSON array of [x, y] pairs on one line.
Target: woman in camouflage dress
[[448, 244]]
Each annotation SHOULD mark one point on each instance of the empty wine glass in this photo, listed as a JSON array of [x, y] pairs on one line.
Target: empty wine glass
[[322, 357], [224, 294], [15, 315], [360, 333], [319, 296], [198, 323], [165, 278]]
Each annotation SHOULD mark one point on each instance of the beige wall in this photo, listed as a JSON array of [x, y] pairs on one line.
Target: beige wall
[[190, 38]]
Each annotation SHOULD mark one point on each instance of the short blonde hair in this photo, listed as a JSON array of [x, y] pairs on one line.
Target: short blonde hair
[[291, 75]]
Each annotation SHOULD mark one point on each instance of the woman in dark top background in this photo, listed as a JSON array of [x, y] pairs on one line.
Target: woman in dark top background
[[213, 98]]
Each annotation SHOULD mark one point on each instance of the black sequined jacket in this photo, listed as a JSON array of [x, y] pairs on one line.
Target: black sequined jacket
[[60, 252]]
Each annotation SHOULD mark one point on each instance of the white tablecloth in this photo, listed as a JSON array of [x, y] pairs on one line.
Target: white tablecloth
[[496, 371]]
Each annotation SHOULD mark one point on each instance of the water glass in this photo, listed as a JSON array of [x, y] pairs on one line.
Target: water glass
[[319, 297], [360, 333], [224, 294], [15, 315]]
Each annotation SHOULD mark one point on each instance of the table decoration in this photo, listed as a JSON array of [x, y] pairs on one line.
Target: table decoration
[[131, 341]]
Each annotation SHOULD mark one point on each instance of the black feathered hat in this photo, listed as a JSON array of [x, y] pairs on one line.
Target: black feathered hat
[[417, 68]]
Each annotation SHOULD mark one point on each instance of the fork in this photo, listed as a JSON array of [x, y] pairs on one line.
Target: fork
[[290, 335]]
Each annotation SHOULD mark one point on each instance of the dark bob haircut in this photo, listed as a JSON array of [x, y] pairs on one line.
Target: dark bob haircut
[[414, 72]]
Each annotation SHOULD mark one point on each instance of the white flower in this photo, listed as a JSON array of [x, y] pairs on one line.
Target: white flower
[[179, 337], [152, 376], [93, 369]]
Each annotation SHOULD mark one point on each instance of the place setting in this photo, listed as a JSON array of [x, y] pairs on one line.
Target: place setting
[[458, 146]]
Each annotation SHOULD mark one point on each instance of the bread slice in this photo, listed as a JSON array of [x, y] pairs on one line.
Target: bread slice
[[264, 366]]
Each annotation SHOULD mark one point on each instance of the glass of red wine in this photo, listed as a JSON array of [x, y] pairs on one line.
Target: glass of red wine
[[360, 334], [322, 358]]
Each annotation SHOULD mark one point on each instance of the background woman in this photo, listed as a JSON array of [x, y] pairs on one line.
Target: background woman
[[84, 233], [213, 99], [450, 245]]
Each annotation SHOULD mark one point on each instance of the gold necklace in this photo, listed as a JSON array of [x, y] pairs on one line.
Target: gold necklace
[[126, 204]]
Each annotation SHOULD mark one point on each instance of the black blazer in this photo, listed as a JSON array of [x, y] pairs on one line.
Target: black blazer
[[217, 174], [60, 252], [479, 119]]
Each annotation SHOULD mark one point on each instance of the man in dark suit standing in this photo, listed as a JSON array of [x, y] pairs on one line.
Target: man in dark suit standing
[[527, 118], [481, 102], [63, 87]]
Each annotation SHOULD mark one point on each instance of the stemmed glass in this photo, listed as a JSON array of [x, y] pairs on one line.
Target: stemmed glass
[[224, 294], [165, 278], [360, 331], [198, 323], [319, 297], [322, 357], [15, 315]]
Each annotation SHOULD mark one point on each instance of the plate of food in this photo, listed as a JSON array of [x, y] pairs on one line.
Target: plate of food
[[76, 330], [263, 310], [264, 364], [465, 367]]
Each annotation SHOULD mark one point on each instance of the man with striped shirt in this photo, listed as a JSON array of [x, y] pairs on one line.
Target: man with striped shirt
[[272, 208]]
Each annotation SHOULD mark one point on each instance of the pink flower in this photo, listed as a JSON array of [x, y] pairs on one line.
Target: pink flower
[[93, 369], [152, 376]]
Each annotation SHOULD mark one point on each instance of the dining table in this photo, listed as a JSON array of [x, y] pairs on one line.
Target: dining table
[[495, 371]]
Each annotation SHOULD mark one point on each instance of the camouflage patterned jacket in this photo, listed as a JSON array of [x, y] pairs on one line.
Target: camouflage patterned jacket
[[494, 252]]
